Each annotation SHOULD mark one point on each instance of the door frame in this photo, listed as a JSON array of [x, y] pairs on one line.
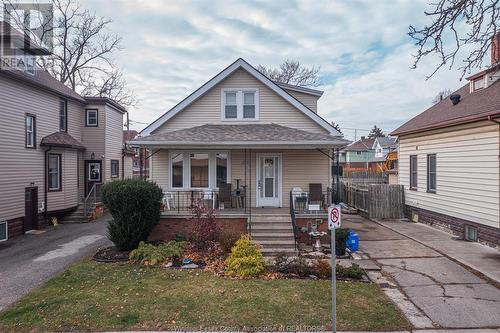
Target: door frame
[[280, 178], [34, 203], [86, 175]]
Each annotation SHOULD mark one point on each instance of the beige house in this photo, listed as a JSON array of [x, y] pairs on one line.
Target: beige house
[[55, 146], [449, 159], [247, 147]]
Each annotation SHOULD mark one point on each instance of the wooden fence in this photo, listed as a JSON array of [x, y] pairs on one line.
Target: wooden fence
[[365, 177], [379, 201]]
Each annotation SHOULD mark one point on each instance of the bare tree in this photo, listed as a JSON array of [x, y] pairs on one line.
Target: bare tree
[[482, 19], [292, 72], [83, 53], [441, 95], [337, 127]]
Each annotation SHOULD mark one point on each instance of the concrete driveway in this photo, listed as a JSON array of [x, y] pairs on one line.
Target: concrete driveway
[[448, 293], [30, 260]]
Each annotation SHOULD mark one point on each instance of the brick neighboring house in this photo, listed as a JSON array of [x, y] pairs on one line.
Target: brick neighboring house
[[140, 159], [449, 159], [55, 146]]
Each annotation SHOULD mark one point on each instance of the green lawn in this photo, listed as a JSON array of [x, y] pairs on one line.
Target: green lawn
[[91, 296]]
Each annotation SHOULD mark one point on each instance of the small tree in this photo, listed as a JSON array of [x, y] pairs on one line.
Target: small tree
[[245, 260], [135, 207], [204, 227], [292, 72]]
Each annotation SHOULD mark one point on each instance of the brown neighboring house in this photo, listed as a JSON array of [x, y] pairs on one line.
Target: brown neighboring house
[[449, 159], [55, 146]]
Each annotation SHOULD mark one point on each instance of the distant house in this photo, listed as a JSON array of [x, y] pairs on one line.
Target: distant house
[[383, 159], [449, 158], [357, 155], [140, 159], [56, 145]]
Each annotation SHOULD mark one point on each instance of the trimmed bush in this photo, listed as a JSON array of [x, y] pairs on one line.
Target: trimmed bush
[[245, 260], [341, 235], [149, 254], [227, 239], [135, 207]]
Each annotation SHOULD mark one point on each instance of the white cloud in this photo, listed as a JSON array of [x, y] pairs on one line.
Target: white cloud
[[173, 47]]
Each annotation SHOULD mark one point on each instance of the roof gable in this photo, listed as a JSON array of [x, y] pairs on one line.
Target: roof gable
[[240, 63]]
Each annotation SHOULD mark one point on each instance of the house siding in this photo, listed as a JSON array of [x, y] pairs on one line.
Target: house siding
[[113, 141], [467, 172], [272, 108], [22, 166], [299, 169], [308, 100]]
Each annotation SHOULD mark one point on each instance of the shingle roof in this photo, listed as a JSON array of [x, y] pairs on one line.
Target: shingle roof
[[62, 140], [360, 145], [386, 141], [227, 134], [472, 106]]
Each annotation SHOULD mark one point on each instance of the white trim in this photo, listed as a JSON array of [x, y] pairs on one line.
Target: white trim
[[303, 90], [87, 112], [240, 63], [298, 144], [280, 178], [239, 104], [186, 169]]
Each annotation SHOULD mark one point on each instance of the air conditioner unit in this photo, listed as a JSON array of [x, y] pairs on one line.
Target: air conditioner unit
[[4, 231]]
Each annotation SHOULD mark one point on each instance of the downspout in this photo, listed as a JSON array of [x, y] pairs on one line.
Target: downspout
[[490, 118], [46, 189]]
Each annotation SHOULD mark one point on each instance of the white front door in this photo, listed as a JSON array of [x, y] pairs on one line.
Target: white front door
[[269, 180]]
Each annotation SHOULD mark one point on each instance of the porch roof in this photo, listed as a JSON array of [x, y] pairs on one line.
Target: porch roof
[[261, 135]]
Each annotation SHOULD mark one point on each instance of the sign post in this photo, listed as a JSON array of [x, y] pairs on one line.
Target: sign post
[[334, 220]]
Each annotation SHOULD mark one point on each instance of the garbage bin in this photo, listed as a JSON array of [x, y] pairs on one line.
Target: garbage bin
[[353, 241]]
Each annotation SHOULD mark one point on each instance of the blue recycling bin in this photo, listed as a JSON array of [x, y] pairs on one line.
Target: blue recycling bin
[[352, 241]]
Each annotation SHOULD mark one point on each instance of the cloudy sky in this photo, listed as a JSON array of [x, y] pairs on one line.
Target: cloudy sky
[[173, 47]]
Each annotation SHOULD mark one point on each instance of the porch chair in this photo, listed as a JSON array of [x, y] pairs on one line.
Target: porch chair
[[225, 195], [168, 200], [316, 194]]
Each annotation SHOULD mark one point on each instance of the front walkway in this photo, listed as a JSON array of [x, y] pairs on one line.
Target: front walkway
[[30, 260], [445, 291]]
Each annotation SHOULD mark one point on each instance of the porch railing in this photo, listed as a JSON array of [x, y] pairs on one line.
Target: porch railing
[[294, 219], [92, 199], [305, 203], [182, 202]]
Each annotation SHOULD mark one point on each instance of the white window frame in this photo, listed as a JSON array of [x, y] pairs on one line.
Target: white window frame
[[186, 169], [239, 103], [87, 112], [30, 133]]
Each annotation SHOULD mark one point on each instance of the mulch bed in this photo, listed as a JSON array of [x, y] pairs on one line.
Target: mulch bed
[[111, 254]]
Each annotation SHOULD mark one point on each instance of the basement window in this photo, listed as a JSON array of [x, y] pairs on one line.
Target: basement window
[[470, 233]]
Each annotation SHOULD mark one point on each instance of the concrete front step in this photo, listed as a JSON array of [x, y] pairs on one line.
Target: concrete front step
[[270, 252], [265, 235]]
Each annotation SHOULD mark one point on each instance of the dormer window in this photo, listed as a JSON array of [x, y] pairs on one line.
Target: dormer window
[[240, 104], [478, 83]]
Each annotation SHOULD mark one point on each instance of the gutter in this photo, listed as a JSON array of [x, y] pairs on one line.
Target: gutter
[[239, 143], [450, 123]]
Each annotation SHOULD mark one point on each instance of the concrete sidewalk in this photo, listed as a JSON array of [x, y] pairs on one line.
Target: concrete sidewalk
[[482, 259], [30, 260]]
